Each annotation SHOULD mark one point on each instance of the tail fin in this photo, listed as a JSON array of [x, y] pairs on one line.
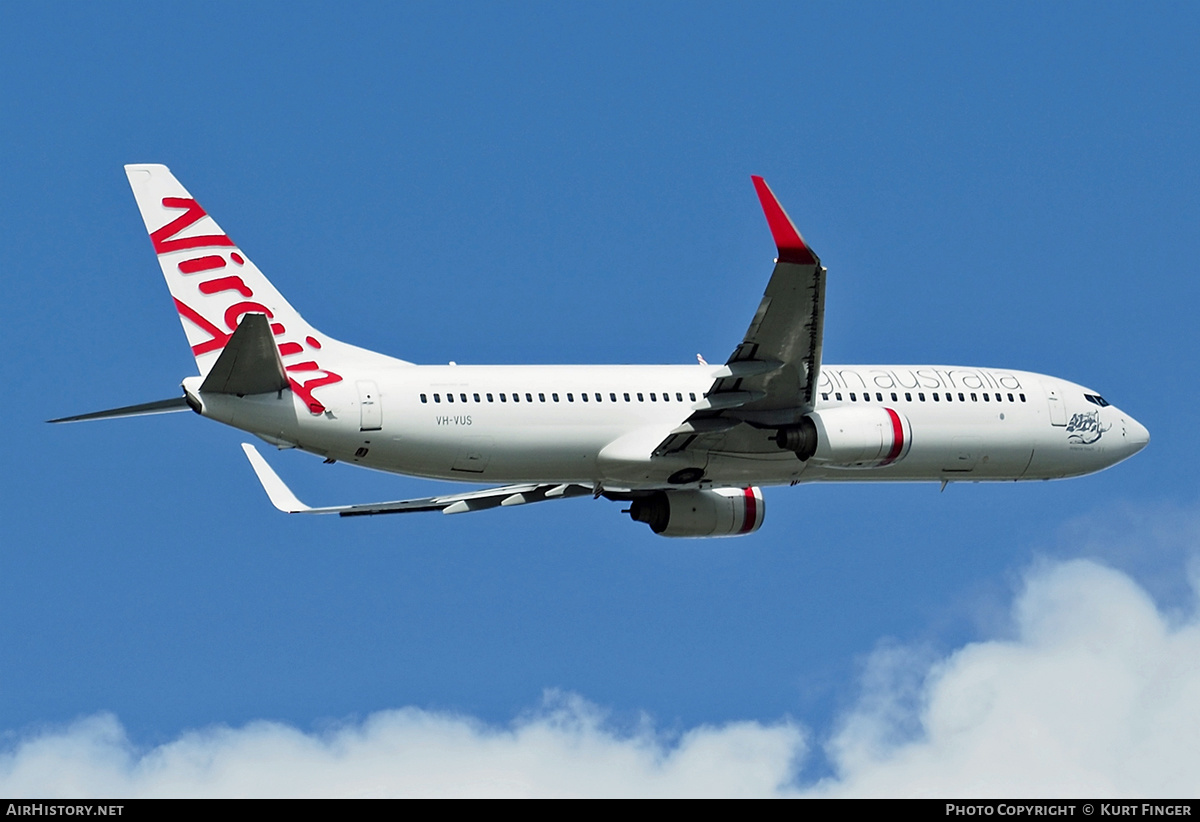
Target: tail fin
[[215, 285], [213, 282]]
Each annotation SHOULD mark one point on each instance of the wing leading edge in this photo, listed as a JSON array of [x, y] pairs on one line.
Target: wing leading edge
[[770, 379]]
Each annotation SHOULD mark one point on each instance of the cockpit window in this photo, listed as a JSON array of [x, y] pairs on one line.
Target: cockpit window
[[1096, 399]]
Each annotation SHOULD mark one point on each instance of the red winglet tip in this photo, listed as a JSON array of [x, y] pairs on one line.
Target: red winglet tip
[[792, 248]]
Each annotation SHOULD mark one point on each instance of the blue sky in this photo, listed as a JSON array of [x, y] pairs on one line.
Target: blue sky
[[1002, 185]]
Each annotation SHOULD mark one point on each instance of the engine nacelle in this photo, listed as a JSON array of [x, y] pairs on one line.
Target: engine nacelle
[[851, 436], [801, 438], [719, 512]]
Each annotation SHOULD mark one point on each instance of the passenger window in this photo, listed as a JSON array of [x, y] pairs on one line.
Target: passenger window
[[935, 396], [838, 396], [921, 396], [476, 398], [666, 396], [516, 397], [878, 397], [528, 397], [584, 397], [852, 397], [541, 397], [613, 397], [652, 397], [640, 398], [489, 396], [894, 397], [973, 398], [626, 396], [678, 397], [462, 397], [1022, 396], [1010, 399], [960, 397], [692, 394], [424, 398], [503, 398], [824, 396], [554, 396], [997, 398], [907, 396], [986, 398], [571, 397], [437, 397], [949, 397]]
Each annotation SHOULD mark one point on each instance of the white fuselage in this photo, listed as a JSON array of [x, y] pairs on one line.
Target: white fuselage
[[685, 446], [597, 425]]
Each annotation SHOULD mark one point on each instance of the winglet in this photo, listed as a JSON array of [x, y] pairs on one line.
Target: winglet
[[280, 495], [792, 248]]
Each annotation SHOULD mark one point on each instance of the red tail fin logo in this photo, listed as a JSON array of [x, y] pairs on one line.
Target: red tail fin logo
[[192, 214], [166, 241]]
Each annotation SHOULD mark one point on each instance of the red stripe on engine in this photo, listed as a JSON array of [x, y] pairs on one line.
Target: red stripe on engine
[[751, 511], [897, 438]]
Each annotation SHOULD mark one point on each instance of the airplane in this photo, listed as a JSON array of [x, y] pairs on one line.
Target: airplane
[[688, 447]]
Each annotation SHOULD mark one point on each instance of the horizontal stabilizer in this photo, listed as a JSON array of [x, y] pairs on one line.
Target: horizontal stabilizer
[[249, 363], [282, 497], [144, 409]]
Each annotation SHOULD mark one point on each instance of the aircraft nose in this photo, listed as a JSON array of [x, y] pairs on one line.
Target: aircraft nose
[[1136, 435]]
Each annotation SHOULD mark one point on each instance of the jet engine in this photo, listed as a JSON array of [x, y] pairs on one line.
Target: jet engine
[[849, 436], [719, 512]]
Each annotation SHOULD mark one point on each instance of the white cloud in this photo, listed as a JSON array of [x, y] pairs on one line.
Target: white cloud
[[564, 749], [1096, 692]]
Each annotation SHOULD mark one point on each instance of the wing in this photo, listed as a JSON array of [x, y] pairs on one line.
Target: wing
[[770, 379], [282, 497]]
